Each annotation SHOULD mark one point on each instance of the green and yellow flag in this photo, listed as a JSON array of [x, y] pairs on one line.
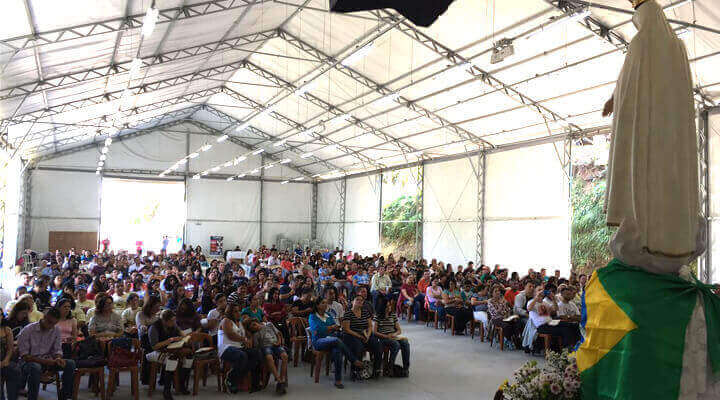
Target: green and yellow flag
[[635, 324]]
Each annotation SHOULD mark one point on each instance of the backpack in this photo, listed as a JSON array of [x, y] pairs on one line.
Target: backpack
[[122, 356], [88, 354]]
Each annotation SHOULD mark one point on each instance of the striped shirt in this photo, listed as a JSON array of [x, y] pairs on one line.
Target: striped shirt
[[386, 325], [358, 325]]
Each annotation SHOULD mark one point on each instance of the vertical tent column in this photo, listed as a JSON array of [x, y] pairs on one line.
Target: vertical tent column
[[420, 182], [186, 180], [567, 166], [342, 193], [705, 261], [380, 208], [260, 214], [25, 217], [480, 227], [314, 212]]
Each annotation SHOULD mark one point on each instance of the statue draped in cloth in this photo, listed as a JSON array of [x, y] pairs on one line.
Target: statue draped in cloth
[[652, 190], [652, 330]]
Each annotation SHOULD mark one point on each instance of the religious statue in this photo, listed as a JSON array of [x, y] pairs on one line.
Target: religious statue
[[652, 329]]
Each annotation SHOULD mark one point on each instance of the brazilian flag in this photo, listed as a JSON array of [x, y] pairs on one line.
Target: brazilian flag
[[635, 324]]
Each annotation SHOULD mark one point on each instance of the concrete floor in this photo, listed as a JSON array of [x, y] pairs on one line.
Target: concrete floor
[[442, 367]]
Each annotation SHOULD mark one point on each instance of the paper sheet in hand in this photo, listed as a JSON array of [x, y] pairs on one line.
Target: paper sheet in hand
[[179, 344]]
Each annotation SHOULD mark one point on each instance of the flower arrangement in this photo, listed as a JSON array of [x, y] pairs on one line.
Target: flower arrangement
[[557, 379]]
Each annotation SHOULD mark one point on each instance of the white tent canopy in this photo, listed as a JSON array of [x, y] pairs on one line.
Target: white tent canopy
[[313, 95]]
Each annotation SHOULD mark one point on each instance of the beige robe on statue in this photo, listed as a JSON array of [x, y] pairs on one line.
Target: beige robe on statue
[[652, 190]]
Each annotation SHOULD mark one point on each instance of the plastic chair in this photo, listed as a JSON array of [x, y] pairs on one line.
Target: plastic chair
[[317, 358], [203, 367], [297, 327], [114, 371], [98, 384]]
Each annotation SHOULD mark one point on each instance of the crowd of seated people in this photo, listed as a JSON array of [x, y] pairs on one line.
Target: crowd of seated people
[[249, 308]]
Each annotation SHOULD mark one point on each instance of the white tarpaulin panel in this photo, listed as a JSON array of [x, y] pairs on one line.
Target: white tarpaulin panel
[[362, 232], [450, 200], [156, 151], [451, 242], [286, 211], [526, 209], [328, 210], [220, 208], [62, 201], [522, 244]]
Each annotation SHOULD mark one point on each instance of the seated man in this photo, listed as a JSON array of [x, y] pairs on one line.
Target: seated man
[[40, 350]]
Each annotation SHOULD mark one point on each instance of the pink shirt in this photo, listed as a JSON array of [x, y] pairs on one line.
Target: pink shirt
[[65, 327]]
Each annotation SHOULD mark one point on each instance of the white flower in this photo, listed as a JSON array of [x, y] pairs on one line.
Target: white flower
[[555, 388]]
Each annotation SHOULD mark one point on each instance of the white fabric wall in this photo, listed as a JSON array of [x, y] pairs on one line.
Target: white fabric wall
[[62, 201], [526, 209], [228, 209], [328, 218], [286, 211], [362, 213], [449, 211]]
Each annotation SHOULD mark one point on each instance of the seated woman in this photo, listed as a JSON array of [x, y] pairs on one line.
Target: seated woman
[[234, 347], [433, 297], [268, 339], [253, 310], [162, 333], [323, 331], [498, 310], [9, 369], [387, 328], [130, 313], [67, 325], [188, 320], [105, 323], [357, 333], [34, 315], [454, 301], [18, 318]]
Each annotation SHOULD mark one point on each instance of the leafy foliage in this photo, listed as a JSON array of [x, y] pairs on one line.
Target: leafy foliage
[[403, 216], [590, 235]]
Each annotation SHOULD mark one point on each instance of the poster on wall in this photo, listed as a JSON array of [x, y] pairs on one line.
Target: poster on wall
[[216, 245]]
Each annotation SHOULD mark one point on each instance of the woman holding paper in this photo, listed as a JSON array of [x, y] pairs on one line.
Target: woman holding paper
[[500, 314], [167, 345]]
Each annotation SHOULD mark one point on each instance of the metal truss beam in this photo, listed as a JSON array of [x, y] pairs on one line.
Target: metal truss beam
[[705, 261], [105, 71], [314, 212], [296, 125], [481, 173], [593, 25], [442, 50], [133, 90], [334, 110], [342, 194], [383, 90], [242, 143], [262, 135], [160, 122], [166, 15], [104, 119]]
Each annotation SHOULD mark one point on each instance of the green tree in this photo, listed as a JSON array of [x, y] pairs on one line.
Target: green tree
[[402, 215], [590, 234]]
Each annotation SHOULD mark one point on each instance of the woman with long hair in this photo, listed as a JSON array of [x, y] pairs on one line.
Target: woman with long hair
[[387, 328], [19, 317], [357, 333], [276, 312], [234, 347], [67, 324], [188, 320], [178, 294], [9, 369], [105, 322], [323, 334], [96, 287]]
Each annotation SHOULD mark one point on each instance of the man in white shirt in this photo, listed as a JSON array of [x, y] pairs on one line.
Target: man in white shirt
[[135, 266], [522, 298], [567, 309]]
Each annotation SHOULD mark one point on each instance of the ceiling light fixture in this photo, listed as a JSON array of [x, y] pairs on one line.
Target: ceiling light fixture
[[306, 155], [241, 175], [228, 164], [285, 161], [150, 20], [358, 55], [222, 138], [104, 150], [280, 143], [502, 49], [193, 155], [299, 178], [108, 141], [206, 147], [284, 182], [215, 169], [239, 160], [196, 176], [103, 157], [229, 179], [242, 126], [258, 151], [101, 163], [204, 173], [255, 171]]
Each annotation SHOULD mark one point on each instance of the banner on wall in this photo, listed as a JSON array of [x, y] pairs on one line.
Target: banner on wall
[[216, 245]]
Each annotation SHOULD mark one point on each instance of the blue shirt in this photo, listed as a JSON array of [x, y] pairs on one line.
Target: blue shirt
[[361, 279], [318, 327]]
